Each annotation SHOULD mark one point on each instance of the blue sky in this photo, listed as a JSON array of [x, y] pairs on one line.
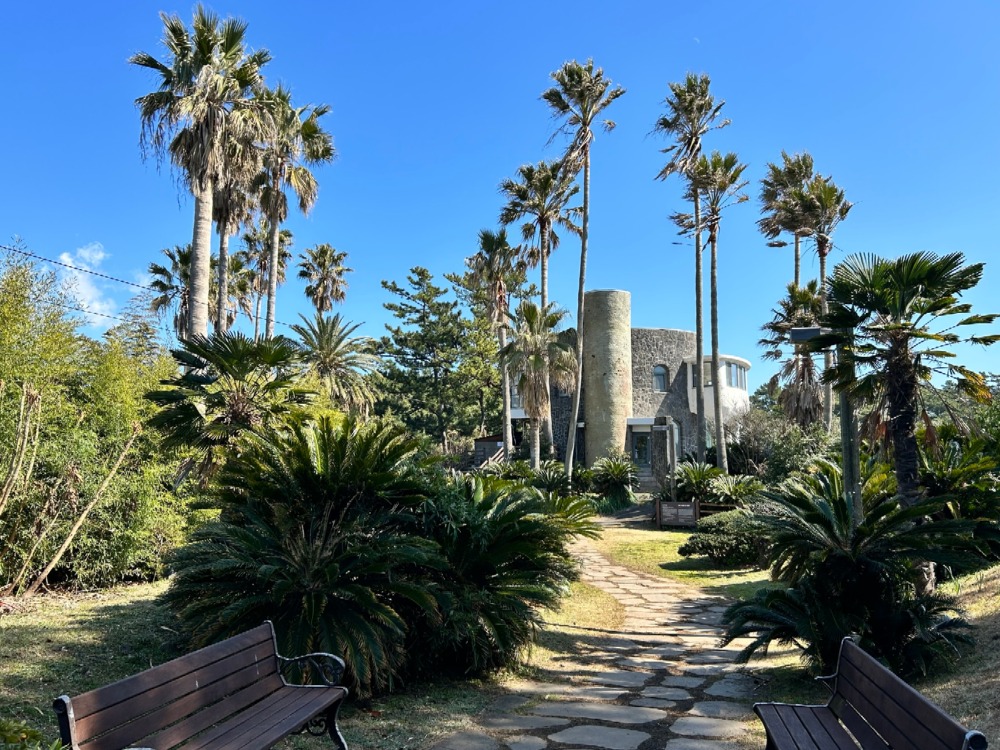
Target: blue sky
[[434, 103]]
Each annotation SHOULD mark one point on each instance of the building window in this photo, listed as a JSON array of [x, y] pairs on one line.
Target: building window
[[707, 377], [516, 402], [736, 375], [660, 378]]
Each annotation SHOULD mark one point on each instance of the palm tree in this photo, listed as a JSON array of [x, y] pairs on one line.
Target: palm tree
[[256, 243], [794, 173], [691, 113], [892, 321], [323, 267], [171, 284], [342, 361], [491, 268], [720, 181], [801, 398], [537, 350], [231, 386], [232, 207], [201, 104], [580, 95], [241, 280], [822, 206], [295, 140]]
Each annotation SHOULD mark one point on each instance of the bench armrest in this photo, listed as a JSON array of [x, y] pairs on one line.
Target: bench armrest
[[828, 680], [326, 668]]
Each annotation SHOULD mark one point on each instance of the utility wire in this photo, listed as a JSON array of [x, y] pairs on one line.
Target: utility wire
[[11, 249]]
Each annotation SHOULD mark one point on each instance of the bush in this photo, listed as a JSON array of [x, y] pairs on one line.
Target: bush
[[736, 490], [694, 481], [730, 540], [551, 477], [772, 448], [614, 477]]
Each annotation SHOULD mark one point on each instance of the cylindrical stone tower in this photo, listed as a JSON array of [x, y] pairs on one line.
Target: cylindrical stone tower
[[607, 371]]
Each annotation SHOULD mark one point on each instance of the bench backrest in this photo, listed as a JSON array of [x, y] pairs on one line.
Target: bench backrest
[[242, 669], [867, 697]]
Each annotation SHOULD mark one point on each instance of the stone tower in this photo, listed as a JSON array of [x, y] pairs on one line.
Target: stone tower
[[607, 371]]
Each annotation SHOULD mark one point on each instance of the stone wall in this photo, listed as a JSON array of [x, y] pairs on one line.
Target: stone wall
[[607, 371], [667, 347]]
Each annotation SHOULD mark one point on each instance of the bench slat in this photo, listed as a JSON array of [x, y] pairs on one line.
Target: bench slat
[[159, 706], [265, 730], [792, 727], [96, 700], [889, 704]]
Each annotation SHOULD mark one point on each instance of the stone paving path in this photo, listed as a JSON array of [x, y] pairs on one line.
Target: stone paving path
[[660, 682]]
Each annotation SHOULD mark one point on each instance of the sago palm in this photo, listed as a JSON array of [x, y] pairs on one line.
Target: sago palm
[[580, 96], [202, 105], [691, 114]]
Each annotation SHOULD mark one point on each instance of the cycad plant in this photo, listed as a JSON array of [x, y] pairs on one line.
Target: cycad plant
[[315, 536], [853, 579], [614, 477]]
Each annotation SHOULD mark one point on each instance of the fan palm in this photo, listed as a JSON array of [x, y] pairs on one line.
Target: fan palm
[[536, 349], [851, 578], [794, 173], [720, 181], [201, 107], [295, 142], [542, 192], [893, 321], [342, 361], [256, 244], [691, 113], [491, 268], [314, 539], [231, 386], [171, 284], [323, 267], [801, 397], [232, 207], [580, 95]]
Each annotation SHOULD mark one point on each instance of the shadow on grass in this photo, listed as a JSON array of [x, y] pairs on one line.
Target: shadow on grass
[[69, 646], [731, 584]]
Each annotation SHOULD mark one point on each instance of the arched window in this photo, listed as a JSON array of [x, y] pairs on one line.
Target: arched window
[[660, 378]]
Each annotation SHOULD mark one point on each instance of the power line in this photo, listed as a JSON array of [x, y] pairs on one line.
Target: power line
[[105, 276]]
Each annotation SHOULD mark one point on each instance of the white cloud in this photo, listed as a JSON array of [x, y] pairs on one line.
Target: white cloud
[[88, 289]]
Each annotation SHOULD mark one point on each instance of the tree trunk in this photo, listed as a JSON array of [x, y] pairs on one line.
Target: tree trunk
[[822, 248], [536, 447], [574, 414], [201, 262], [40, 579], [272, 275], [699, 335], [544, 239], [798, 259], [222, 306], [508, 430], [30, 402], [721, 459], [256, 318], [901, 387]]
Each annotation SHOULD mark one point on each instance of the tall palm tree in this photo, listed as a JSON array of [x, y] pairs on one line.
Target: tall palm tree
[[171, 284], [794, 173], [294, 142], [892, 321], [257, 246], [801, 397], [691, 113], [535, 351], [542, 192], [720, 181], [580, 95], [342, 361], [822, 206], [491, 268], [232, 207], [323, 267], [202, 104]]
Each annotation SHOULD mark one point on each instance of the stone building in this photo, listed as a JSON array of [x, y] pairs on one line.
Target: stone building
[[638, 389]]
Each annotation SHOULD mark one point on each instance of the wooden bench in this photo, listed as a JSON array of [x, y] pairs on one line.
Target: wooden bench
[[871, 703], [230, 695]]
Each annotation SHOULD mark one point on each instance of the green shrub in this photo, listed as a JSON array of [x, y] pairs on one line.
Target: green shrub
[[16, 735], [583, 479], [735, 490], [694, 481], [551, 477], [614, 477], [730, 540]]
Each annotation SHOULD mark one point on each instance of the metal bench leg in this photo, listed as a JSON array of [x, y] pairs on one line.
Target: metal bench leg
[[331, 725]]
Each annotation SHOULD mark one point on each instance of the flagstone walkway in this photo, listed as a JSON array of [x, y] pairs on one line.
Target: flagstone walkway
[[660, 682]]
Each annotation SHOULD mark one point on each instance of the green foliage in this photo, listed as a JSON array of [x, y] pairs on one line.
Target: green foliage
[[734, 489], [551, 478], [507, 551], [16, 735], [772, 448], [314, 537], [614, 477], [732, 539], [694, 481], [849, 578]]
